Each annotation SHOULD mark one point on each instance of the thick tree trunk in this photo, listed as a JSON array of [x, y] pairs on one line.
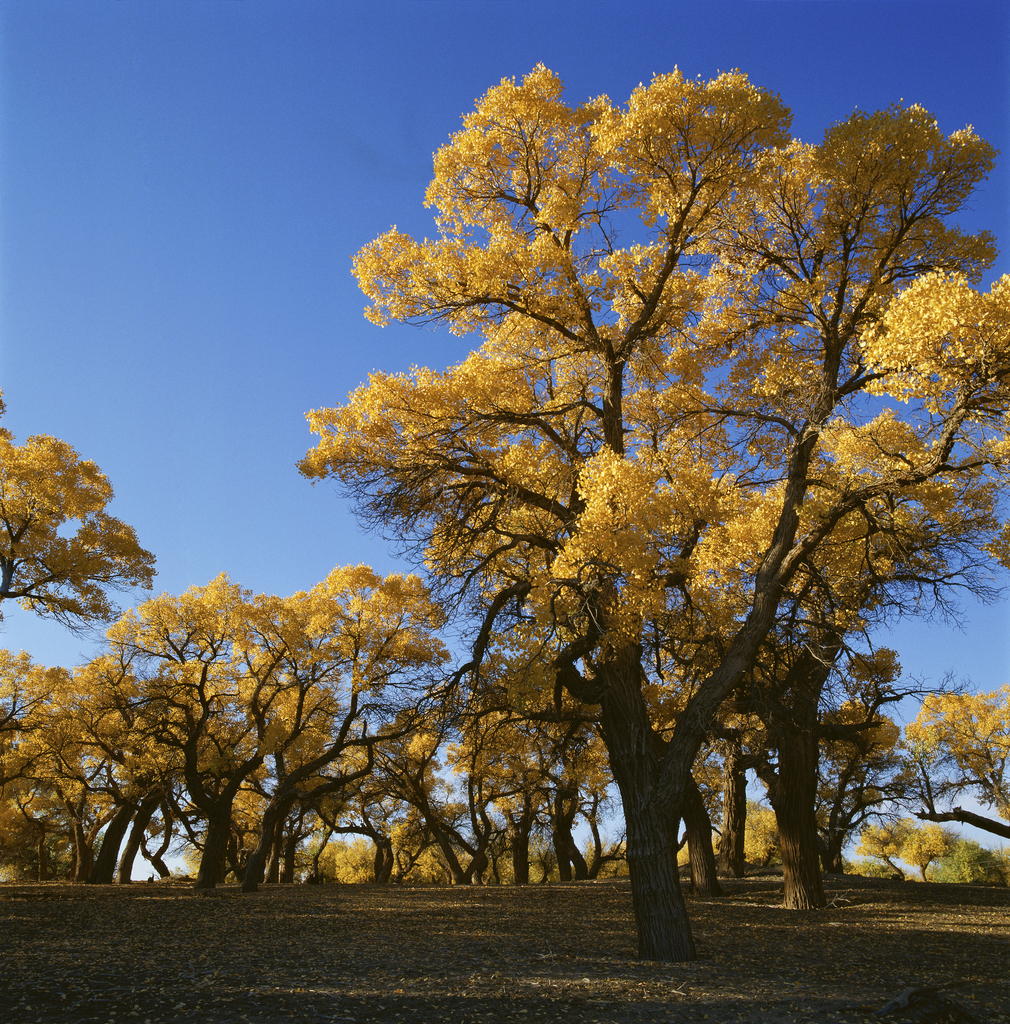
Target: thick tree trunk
[[82, 853], [105, 863], [831, 854], [699, 843], [664, 931], [215, 847], [734, 814], [521, 851], [384, 861], [290, 849], [275, 851], [794, 801], [145, 812], [571, 863]]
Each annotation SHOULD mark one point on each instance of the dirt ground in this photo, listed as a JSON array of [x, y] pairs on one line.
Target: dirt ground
[[154, 953]]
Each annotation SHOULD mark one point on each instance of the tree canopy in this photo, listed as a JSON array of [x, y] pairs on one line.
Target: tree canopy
[[60, 551], [715, 367]]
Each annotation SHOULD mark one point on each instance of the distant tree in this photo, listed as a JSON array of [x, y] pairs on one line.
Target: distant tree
[[926, 844], [969, 861], [885, 841], [761, 835]]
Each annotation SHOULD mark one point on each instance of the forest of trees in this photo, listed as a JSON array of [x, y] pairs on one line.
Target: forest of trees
[[668, 501]]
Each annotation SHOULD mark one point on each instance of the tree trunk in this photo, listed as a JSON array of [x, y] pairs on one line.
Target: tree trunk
[[290, 849], [269, 842], [734, 814], [43, 853], [124, 874], [82, 852], [384, 862], [156, 858], [664, 931], [215, 847], [521, 851], [794, 801], [105, 863], [831, 854], [699, 843]]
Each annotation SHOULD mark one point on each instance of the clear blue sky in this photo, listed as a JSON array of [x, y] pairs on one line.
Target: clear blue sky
[[184, 183]]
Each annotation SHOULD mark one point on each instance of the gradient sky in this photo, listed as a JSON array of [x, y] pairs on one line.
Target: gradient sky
[[184, 184]]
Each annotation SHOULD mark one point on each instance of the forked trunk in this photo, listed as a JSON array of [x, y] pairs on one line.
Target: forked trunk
[[271, 831], [145, 812], [105, 863]]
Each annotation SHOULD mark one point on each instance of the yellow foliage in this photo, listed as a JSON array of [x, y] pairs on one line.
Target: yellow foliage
[[971, 734], [60, 552], [655, 440]]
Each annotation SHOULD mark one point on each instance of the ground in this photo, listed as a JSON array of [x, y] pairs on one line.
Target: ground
[[162, 952]]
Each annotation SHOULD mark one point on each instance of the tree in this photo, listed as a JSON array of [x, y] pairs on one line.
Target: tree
[[968, 861], [45, 488], [925, 844], [761, 834], [885, 842], [961, 743], [346, 655], [860, 769], [654, 441]]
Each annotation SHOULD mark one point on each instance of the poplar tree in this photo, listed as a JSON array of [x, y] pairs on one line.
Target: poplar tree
[[707, 352]]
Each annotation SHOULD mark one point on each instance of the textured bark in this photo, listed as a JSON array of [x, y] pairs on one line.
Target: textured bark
[[571, 863], [793, 797], [699, 843], [81, 871], [997, 828], [105, 863], [215, 847], [734, 813], [664, 931], [521, 827], [288, 861]]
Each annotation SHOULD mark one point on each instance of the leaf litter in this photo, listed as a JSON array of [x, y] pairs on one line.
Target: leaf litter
[[164, 953]]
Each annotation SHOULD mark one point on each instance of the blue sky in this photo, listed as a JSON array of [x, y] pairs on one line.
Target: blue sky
[[183, 186]]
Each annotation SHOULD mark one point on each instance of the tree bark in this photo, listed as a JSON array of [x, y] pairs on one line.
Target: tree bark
[[664, 931], [384, 861], [699, 843], [793, 796], [269, 842], [82, 852], [215, 847], [734, 813], [105, 863]]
